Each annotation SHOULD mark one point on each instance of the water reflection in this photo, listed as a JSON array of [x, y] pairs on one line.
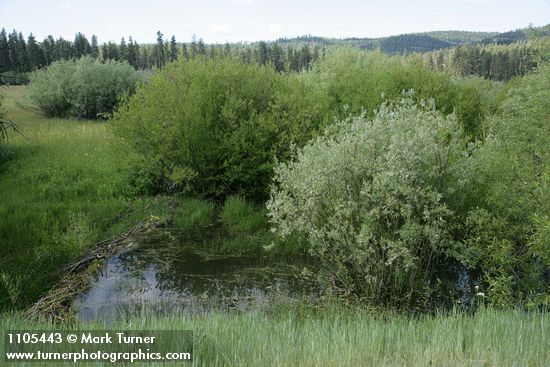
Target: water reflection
[[168, 280]]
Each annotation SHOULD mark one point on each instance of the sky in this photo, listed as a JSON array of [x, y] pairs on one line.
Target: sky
[[219, 21]]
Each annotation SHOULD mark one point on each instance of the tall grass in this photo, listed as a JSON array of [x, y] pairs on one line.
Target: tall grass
[[235, 227], [343, 338], [64, 189]]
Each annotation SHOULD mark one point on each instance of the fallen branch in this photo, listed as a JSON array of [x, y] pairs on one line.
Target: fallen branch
[[55, 304]]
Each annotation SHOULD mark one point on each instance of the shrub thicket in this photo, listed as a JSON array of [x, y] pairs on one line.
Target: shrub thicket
[[370, 195], [394, 206], [213, 127], [396, 202], [83, 88], [357, 81], [507, 230]]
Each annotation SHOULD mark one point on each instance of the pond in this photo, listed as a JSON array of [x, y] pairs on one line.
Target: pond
[[168, 278]]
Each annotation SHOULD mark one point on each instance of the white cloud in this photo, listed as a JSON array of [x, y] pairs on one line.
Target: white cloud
[[275, 28], [247, 2], [473, 2], [219, 28], [64, 4], [69, 7]]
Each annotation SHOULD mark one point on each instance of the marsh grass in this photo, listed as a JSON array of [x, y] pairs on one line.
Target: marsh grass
[[234, 227], [345, 338], [194, 215], [64, 189]]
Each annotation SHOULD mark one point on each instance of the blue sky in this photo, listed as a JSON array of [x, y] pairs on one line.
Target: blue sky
[[252, 20]]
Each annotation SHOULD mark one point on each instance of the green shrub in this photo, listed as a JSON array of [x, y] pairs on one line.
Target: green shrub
[[506, 231], [358, 81], [370, 197], [213, 127], [83, 88]]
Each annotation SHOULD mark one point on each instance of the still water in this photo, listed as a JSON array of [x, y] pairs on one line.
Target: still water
[[171, 278]]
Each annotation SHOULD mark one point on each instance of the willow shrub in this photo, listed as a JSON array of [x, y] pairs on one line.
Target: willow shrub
[[83, 88], [357, 81], [507, 234], [370, 195], [213, 127]]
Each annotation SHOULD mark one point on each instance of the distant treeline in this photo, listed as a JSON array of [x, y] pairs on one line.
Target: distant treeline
[[495, 62], [495, 56], [19, 55]]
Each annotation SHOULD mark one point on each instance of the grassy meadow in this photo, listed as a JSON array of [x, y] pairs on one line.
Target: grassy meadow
[[63, 191], [344, 338]]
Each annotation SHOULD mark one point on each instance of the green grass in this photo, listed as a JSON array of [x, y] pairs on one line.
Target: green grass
[[345, 338], [235, 227], [63, 190], [194, 214]]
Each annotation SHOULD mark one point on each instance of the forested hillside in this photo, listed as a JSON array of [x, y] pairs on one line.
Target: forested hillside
[[497, 56]]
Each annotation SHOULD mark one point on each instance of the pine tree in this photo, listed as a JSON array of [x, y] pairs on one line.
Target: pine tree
[[263, 53], [247, 55], [137, 56], [294, 59], [184, 52], [485, 63], [132, 59], [81, 45], [277, 57], [110, 51], [158, 51], [144, 62], [166, 52], [227, 50], [305, 57], [48, 47], [12, 50], [123, 50], [63, 49], [201, 47], [94, 48], [22, 55], [193, 46], [213, 52], [35, 54], [289, 58], [316, 54], [5, 64], [173, 49]]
